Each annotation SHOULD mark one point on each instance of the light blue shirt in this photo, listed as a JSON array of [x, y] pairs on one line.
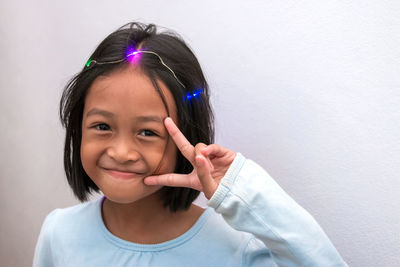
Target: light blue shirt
[[260, 226]]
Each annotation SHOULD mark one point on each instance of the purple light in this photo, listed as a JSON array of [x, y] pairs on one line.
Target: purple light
[[132, 55]]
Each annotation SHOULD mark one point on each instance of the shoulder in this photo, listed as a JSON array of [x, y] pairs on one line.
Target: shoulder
[[74, 213], [61, 230], [78, 218]]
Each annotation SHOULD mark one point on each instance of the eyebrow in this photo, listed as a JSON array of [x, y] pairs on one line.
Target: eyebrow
[[101, 112], [150, 118]]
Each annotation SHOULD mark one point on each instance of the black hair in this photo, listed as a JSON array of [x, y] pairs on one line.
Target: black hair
[[195, 117]]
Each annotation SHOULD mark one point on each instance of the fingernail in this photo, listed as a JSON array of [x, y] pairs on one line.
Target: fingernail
[[199, 159]]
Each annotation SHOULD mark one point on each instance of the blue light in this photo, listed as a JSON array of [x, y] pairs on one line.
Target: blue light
[[194, 94], [197, 92]]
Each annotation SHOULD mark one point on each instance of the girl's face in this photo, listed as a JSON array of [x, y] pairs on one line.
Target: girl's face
[[123, 135]]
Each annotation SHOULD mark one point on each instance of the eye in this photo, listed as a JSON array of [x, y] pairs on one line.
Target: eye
[[147, 133], [102, 127]]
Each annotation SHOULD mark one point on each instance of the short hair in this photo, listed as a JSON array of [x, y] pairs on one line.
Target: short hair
[[195, 117]]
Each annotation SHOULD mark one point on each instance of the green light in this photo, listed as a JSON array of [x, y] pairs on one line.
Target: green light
[[88, 62]]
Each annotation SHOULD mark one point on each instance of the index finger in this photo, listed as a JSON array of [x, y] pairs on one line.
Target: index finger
[[180, 140]]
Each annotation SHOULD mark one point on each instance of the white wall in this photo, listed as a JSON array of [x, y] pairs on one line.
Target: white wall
[[308, 89]]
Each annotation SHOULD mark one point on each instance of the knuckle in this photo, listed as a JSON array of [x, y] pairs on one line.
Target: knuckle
[[199, 146], [169, 179], [195, 184], [185, 148], [215, 146]]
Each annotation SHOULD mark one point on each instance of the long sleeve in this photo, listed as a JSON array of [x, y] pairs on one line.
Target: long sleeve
[[251, 201]]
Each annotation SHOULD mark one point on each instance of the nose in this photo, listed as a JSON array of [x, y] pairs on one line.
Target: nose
[[123, 149]]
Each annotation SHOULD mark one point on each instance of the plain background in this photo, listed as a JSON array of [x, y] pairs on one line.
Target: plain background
[[308, 89]]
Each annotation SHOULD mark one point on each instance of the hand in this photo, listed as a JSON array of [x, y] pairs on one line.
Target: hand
[[210, 163]]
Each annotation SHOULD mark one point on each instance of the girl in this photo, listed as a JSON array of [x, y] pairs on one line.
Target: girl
[[139, 127]]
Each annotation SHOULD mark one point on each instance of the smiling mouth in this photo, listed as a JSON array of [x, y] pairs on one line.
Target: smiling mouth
[[123, 175]]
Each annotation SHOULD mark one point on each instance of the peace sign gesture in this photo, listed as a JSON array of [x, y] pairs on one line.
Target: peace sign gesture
[[210, 163]]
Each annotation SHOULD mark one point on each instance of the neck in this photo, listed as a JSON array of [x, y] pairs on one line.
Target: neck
[[138, 213], [146, 221]]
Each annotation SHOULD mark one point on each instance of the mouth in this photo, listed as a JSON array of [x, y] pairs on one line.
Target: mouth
[[117, 174]]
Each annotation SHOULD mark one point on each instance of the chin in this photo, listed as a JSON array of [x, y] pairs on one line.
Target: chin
[[131, 196]]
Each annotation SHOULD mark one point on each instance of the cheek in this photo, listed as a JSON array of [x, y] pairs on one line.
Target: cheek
[[88, 153], [168, 162]]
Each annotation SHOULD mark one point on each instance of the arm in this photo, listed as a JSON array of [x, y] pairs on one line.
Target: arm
[[251, 201]]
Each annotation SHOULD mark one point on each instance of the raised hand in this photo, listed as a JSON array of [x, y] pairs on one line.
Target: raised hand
[[210, 163]]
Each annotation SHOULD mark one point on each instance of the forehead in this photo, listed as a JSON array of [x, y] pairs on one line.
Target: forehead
[[129, 91]]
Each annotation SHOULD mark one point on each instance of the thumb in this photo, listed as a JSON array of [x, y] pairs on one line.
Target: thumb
[[203, 172]]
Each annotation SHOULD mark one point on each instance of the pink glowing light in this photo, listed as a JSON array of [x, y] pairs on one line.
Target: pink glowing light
[[132, 55]]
